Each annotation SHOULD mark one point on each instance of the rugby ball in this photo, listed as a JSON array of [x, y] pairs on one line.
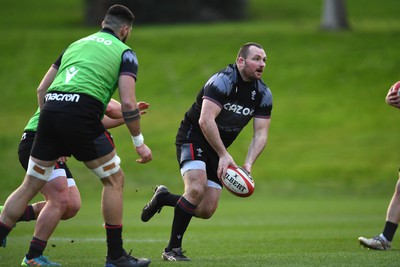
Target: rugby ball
[[395, 87], [238, 182]]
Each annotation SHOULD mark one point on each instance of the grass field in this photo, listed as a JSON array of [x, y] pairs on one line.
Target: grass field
[[325, 178], [259, 231]]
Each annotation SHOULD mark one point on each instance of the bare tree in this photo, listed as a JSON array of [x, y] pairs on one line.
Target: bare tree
[[334, 16]]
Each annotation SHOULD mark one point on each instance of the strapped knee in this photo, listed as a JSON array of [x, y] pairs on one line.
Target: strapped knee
[[38, 171], [57, 173], [108, 168]]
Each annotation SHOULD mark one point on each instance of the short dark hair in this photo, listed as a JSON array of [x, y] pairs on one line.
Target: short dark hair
[[117, 16], [244, 50]]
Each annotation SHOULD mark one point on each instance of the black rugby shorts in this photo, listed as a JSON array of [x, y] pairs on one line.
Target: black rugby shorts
[[24, 150], [81, 135], [194, 151]]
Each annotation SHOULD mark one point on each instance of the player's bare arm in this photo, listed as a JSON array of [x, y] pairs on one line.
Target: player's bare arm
[[113, 109], [45, 84], [129, 107], [257, 145], [209, 112], [113, 116], [126, 87]]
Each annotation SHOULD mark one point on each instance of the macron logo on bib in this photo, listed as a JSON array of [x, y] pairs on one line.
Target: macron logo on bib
[[71, 72]]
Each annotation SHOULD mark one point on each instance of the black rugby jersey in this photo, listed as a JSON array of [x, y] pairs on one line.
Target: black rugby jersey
[[240, 101]]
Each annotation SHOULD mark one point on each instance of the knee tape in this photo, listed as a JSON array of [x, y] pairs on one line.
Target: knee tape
[[108, 168], [192, 165], [57, 173], [213, 184], [38, 171], [71, 182]]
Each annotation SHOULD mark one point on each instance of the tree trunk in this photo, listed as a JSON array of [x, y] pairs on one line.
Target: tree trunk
[[334, 15]]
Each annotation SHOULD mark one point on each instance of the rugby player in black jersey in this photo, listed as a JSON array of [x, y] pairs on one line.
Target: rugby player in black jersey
[[223, 107]]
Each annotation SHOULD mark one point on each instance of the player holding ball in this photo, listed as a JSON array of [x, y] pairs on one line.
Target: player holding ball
[[223, 107], [384, 240]]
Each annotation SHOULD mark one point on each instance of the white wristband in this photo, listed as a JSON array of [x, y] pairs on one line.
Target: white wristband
[[138, 140]]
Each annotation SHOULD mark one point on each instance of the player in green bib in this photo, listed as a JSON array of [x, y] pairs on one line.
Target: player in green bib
[[83, 69], [73, 99], [60, 192]]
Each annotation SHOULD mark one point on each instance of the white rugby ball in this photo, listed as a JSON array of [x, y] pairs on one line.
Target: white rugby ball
[[238, 182]]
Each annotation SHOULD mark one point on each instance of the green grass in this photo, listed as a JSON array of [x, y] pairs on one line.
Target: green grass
[[331, 130], [258, 231], [328, 171]]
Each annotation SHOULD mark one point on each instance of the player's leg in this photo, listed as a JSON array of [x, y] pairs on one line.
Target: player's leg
[[74, 200], [56, 194], [393, 214], [384, 240], [195, 179], [162, 197], [212, 191], [74, 204], [36, 208], [37, 175], [31, 211], [18, 200], [209, 202], [24, 148], [111, 175], [194, 172], [108, 170]]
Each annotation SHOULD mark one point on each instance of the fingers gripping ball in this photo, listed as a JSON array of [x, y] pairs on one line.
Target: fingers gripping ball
[[396, 88], [238, 182]]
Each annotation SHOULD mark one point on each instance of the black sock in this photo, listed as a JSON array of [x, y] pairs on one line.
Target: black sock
[[184, 211], [28, 214], [114, 241], [36, 248], [168, 199], [389, 230], [4, 231]]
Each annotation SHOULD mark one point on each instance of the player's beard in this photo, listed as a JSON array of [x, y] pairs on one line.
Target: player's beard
[[251, 75], [124, 38]]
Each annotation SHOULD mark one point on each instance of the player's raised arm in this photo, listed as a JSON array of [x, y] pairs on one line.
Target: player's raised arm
[[45, 84]]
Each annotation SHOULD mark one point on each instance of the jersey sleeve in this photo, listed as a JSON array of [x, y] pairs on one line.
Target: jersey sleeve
[[57, 64], [129, 64], [265, 108], [217, 89]]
